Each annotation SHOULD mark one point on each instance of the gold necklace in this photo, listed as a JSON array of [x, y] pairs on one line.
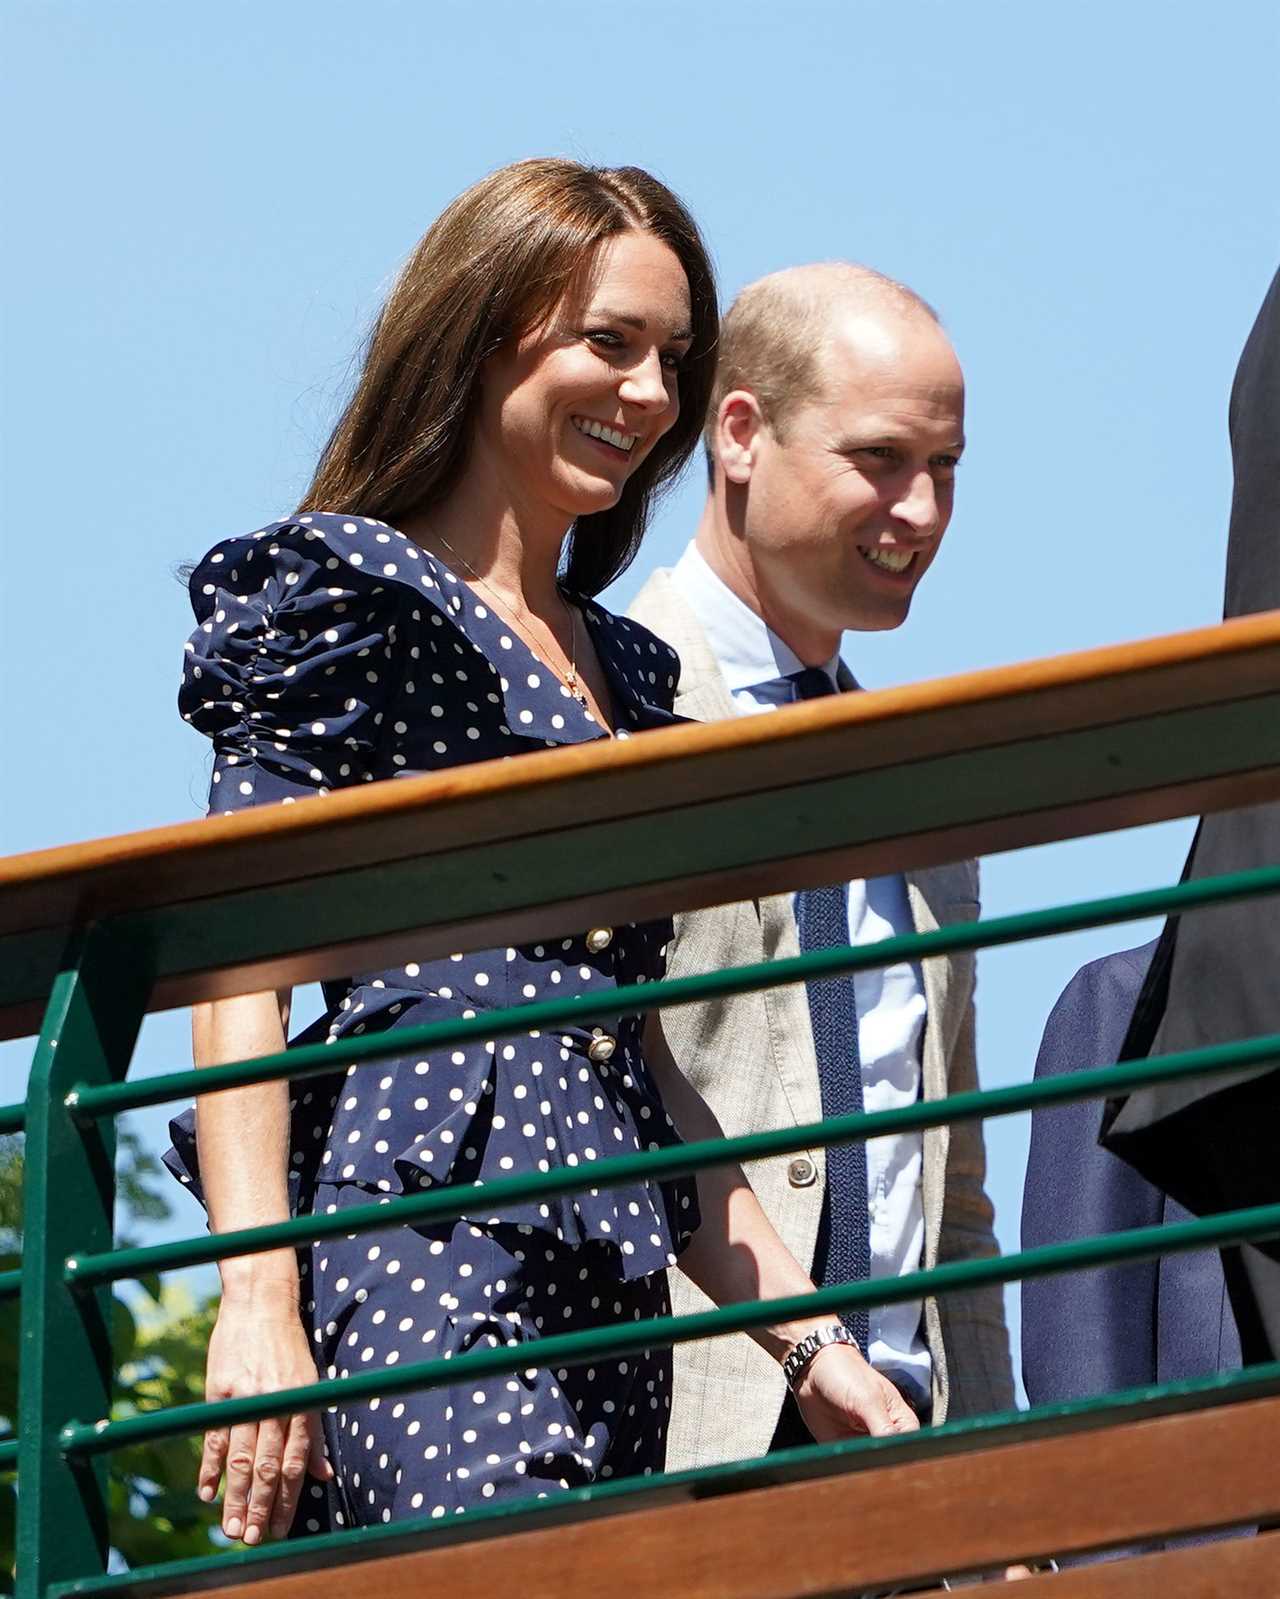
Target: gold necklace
[[571, 680]]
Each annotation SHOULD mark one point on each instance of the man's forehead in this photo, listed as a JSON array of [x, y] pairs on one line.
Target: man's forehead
[[892, 408], [905, 375]]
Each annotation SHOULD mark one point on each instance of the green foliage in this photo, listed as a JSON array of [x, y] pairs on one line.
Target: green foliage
[[159, 1341], [155, 1514]]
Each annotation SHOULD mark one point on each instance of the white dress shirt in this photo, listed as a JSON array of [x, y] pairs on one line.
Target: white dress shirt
[[891, 1003]]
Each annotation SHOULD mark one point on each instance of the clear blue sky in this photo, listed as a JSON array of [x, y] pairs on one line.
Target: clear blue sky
[[207, 201]]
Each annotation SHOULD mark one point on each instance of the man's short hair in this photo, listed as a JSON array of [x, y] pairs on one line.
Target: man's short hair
[[773, 335]]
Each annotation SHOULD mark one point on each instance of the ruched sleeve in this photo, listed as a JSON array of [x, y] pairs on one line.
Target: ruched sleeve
[[289, 668]]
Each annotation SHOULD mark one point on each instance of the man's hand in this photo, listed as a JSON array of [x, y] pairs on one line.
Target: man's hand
[[841, 1396]]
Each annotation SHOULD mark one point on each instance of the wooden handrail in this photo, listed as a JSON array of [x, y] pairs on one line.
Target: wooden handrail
[[553, 842], [1132, 1482]]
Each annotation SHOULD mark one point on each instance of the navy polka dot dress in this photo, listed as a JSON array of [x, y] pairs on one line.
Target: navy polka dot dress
[[332, 651]]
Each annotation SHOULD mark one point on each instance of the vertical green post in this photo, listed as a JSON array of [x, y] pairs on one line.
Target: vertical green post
[[65, 1371]]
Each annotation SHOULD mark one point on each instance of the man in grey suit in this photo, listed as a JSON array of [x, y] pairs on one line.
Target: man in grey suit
[[833, 440]]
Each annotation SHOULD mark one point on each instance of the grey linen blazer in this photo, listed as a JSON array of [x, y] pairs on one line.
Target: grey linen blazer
[[752, 1058]]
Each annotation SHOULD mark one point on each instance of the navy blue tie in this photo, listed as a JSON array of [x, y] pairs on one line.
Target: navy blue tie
[[843, 1251]]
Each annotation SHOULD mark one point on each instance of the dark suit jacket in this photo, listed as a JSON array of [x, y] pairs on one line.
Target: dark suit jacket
[[1213, 977], [1101, 1331]]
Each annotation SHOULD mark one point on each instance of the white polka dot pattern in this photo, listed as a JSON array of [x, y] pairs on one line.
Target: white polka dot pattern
[[330, 651], [405, 1295], [318, 663]]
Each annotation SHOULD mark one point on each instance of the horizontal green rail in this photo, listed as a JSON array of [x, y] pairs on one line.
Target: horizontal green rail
[[10, 1282], [806, 1460], [13, 1118], [460, 1199], [8, 1454], [619, 1339], [315, 1059], [309, 1060]]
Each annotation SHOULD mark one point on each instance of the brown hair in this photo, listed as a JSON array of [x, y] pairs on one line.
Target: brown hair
[[491, 268], [774, 333]]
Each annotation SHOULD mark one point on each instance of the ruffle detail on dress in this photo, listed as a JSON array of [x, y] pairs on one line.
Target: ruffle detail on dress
[[311, 1105], [481, 1111], [289, 668], [493, 1108], [295, 655]]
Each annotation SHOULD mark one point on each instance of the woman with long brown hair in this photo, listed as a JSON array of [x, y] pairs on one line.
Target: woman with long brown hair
[[539, 373]]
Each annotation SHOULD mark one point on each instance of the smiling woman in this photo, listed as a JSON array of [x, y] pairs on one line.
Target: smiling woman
[[541, 369], [503, 262]]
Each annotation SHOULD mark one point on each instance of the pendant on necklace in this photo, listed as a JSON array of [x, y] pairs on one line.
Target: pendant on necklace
[[572, 684]]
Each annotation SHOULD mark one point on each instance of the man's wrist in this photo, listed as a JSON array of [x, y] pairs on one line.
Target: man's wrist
[[803, 1352]]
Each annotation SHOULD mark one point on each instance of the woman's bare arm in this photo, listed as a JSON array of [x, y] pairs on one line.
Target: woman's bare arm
[[244, 1138], [259, 1344]]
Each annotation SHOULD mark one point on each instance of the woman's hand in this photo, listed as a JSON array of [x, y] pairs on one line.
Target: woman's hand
[[841, 1396], [259, 1345]]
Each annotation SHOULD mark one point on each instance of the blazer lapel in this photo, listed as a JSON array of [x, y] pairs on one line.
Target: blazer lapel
[[703, 695]]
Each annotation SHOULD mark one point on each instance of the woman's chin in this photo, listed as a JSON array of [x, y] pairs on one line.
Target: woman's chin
[[588, 495]]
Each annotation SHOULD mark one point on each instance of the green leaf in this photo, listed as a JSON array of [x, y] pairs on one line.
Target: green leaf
[[124, 1332], [154, 1513]]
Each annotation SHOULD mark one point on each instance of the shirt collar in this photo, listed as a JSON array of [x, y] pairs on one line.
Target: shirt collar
[[746, 648]]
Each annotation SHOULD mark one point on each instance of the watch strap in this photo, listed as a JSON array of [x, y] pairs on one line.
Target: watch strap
[[794, 1364]]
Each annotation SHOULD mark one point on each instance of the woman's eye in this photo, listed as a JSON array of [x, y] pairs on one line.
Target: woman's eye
[[673, 360], [948, 463], [604, 338]]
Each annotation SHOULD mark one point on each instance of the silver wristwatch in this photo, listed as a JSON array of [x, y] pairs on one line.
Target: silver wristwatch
[[795, 1363]]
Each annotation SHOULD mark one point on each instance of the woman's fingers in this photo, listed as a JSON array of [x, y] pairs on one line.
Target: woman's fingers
[[257, 1351], [293, 1470], [253, 1477], [266, 1464], [213, 1459], [241, 1453], [265, 1480]]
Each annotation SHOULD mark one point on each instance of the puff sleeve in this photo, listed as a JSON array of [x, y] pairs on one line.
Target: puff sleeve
[[289, 668]]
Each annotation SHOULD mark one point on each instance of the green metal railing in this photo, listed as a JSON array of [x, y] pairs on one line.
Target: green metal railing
[[79, 1086], [65, 1432]]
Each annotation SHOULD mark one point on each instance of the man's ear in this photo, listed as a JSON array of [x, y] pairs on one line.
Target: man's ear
[[739, 424]]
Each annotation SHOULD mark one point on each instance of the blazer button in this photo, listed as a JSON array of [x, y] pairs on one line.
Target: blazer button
[[599, 938], [801, 1172], [601, 1048]]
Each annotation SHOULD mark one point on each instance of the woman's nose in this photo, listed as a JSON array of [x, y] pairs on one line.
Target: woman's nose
[[645, 384]]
